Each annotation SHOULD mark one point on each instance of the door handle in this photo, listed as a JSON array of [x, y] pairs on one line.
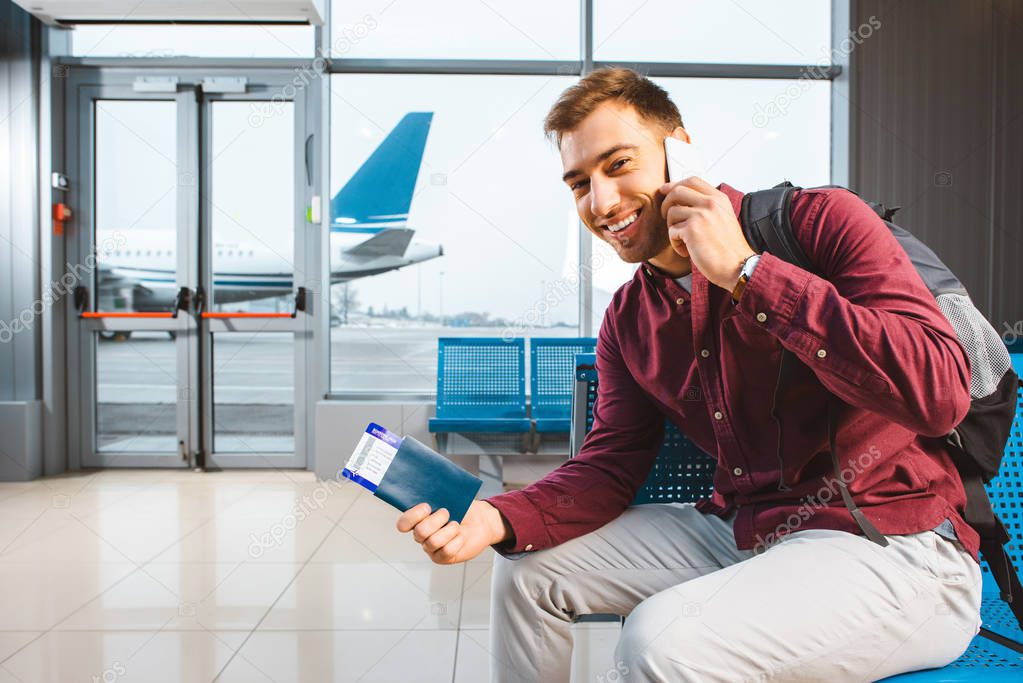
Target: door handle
[[300, 305], [183, 301]]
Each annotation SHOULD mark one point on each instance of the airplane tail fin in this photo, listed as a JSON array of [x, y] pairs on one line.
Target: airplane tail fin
[[380, 192]]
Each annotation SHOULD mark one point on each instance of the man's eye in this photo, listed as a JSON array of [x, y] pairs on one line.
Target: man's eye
[[618, 164], [577, 184]]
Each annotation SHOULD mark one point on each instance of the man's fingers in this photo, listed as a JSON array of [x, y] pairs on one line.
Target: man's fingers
[[448, 553], [676, 215], [681, 195], [413, 516], [437, 540], [699, 184], [677, 236], [430, 525]]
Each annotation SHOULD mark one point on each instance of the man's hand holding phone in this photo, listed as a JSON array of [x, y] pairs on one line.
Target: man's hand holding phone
[[702, 225], [448, 542]]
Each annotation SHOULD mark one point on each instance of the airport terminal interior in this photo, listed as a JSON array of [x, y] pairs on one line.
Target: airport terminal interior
[[235, 233]]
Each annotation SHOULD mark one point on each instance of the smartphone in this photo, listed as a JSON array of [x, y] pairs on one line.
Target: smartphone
[[684, 160]]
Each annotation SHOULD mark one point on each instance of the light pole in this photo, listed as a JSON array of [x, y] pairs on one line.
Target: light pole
[[543, 296], [442, 298]]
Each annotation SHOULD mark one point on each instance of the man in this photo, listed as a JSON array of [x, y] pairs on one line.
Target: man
[[771, 578]]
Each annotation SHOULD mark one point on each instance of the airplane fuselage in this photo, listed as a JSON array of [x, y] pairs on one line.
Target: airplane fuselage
[[144, 277]]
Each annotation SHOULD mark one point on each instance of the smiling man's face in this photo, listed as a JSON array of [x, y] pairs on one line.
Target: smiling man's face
[[614, 164]]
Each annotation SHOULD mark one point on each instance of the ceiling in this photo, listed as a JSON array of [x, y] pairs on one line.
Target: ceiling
[[128, 11]]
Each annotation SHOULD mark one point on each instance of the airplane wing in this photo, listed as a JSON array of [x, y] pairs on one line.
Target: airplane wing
[[388, 242]]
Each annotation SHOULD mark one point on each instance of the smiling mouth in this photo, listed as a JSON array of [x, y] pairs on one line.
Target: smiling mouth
[[625, 227]]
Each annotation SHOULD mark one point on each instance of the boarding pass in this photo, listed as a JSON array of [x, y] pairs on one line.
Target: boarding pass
[[372, 456]]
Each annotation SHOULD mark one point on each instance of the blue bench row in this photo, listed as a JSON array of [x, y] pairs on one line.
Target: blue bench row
[[481, 384], [683, 473]]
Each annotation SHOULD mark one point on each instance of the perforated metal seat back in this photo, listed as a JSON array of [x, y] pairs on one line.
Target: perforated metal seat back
[[481, 377], [552, 362], [1006, 490], [682, 473]]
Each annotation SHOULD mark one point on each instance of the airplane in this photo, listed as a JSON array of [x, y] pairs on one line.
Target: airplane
[[368, 236]]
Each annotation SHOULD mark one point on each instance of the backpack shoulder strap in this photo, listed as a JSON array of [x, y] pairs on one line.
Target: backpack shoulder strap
[[767, 226], [993, 537]]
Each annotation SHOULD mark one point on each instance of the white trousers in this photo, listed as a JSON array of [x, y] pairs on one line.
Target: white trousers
[[817, 605]]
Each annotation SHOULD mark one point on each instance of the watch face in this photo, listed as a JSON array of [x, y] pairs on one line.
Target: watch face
[[749, 264]]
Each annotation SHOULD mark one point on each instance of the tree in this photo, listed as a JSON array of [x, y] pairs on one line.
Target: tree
[[344, 299]]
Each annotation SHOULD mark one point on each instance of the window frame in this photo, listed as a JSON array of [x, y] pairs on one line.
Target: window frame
[[319, 371], [835, 72]]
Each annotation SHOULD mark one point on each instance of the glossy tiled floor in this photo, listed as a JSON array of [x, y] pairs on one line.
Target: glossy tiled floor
[[246, 576]]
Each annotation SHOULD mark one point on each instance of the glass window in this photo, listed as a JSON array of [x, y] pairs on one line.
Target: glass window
[[135, 139], [253, 392], [455, 29], [752, 134], [448, 218], [738, 31], [165, 40], [252, 203], [136, 393]]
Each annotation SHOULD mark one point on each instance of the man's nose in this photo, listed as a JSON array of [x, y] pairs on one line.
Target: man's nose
[[604, 197]]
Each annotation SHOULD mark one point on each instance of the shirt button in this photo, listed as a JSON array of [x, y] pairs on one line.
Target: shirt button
[[821, 353], [680, 301], [705, 353], [529, 546], [761, 317], [737, 471], [718, 415]]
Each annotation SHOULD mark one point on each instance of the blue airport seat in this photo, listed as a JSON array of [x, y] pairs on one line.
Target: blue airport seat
[[552, 363], [682, 472], [481, 386], [679, 475], [986, 658]]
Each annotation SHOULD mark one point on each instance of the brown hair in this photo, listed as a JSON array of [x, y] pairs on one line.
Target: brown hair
[[650, 100]]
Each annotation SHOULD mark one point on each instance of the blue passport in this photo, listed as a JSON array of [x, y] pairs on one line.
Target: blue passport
[[404, 472]]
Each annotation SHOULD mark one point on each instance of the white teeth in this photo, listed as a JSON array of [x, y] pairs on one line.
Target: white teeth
[[623, 224]]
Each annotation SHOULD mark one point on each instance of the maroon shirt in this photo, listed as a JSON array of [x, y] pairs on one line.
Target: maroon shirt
[[868, 331]]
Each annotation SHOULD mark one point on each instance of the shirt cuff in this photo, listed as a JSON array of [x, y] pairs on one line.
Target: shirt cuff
[[525, 520], [773, 292]]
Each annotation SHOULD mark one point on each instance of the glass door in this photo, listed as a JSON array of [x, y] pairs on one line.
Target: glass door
[[252, 319], [186, 336], [130, 377]]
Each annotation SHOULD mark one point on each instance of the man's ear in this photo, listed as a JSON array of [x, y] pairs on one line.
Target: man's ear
[[681, 134]]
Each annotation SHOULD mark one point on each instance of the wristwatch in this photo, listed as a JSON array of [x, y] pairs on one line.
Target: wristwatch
[[745, 273]]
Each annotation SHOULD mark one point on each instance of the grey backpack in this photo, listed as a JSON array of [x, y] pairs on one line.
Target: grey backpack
[[977, 444]]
